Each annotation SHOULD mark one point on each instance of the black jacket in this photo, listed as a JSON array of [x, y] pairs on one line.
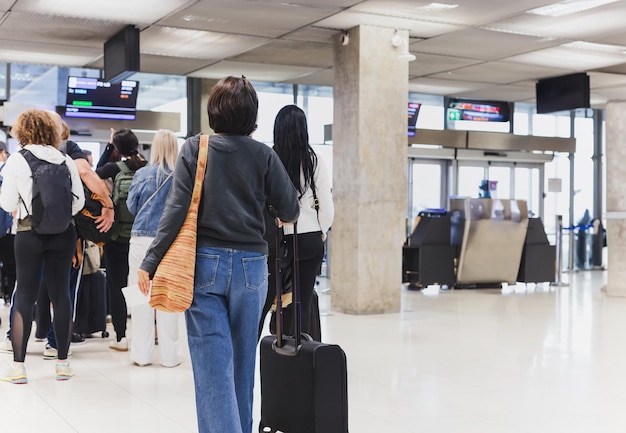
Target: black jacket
[[242, 176]]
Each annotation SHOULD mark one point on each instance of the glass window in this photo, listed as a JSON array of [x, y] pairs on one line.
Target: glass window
[[548, 125], [501, 175], [317, 103], [426, 181], [557, 203], [527, 188], [3, 80], [470, 178], [583, 168]]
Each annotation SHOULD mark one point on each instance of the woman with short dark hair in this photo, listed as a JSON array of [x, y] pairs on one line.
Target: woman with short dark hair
[[231, 263]]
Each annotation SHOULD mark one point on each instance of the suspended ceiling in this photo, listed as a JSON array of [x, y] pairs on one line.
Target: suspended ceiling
[[489, 49]]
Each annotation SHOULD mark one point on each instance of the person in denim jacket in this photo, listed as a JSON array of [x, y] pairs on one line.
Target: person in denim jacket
[[146, 200]]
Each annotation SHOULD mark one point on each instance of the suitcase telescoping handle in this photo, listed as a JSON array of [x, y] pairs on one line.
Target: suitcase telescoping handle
[[279, 344]]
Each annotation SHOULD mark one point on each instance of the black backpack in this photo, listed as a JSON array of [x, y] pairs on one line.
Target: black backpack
[[85, 220], [52, 195]]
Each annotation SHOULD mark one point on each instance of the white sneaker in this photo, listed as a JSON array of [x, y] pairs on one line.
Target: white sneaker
[[14, 374], [51, 353], [6, 346], [120, 346], [64, 371]]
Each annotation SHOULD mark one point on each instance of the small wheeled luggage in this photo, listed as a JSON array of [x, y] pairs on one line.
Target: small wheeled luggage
[[91, 305], [304, 385]]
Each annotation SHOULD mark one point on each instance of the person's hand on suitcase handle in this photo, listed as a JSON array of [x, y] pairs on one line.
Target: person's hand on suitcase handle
[[280, 223]]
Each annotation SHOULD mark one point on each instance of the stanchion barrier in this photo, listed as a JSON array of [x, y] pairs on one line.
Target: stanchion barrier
[[559, 250]]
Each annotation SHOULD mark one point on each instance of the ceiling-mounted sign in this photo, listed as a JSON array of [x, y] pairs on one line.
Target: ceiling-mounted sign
[[478, 111]]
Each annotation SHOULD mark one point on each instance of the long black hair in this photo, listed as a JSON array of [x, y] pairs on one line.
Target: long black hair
[[291, 143]]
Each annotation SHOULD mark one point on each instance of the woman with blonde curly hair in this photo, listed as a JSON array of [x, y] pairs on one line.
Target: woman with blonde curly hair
[[37, 256]]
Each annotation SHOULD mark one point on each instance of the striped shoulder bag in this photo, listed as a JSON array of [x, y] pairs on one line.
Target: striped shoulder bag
[[172, 284]]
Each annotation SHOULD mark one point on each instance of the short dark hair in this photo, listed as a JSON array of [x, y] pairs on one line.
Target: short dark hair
[[126, 142], [233, 106]]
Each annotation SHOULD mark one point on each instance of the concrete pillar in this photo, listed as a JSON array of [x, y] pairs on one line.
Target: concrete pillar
[[207, 85], [369, 171], [616, 197], [198, 90]]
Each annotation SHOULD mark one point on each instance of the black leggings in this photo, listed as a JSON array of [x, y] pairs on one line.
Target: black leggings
[[310, 256], [48, 257], [116, 262]]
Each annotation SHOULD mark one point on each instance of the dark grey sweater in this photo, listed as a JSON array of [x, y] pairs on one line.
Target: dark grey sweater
[[242, 175]]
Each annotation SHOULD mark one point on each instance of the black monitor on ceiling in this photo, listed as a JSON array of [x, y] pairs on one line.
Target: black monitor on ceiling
[[566, 92], [95, 99], [121, 55]]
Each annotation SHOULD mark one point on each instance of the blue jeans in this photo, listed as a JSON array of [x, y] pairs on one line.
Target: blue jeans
[[222, 324]]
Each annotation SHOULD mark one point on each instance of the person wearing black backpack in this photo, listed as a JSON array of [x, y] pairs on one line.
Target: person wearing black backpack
[[43, 186], [124, 142]]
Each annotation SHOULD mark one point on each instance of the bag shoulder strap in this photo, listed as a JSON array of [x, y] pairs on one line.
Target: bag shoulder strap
[[203, 153], [155, 192], [123, 167]]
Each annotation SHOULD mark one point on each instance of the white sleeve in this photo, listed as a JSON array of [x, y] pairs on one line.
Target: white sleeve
[[9, 195], [324, 196]]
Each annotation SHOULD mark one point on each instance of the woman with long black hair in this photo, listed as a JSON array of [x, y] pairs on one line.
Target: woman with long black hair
[[311, 180], [125, 143]]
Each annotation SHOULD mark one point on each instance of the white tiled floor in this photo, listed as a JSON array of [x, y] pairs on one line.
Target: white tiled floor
[[519, 360]]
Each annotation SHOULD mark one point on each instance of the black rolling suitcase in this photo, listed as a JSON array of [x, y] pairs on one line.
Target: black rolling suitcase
[[91, 305], [304, 385]]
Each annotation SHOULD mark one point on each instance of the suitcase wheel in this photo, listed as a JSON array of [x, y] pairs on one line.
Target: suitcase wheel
[[266, 429], [105, 334]]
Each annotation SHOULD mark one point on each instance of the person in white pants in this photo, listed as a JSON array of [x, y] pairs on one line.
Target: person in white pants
[[146, 200]]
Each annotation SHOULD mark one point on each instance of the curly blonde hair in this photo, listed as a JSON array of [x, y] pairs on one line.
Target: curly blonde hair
[[35, 127]]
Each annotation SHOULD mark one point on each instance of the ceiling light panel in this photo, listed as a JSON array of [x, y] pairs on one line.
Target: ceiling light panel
[[45, 28], [568, 7], [175, 42], [126, 11], [464, 13], [481, 44], [419, 29], [569, 58], [254, 71], [594, 23], [603, 48], [247, 17]]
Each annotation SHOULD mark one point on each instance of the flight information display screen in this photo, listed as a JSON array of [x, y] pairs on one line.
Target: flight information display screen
[[92, 98], [478, 111]]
